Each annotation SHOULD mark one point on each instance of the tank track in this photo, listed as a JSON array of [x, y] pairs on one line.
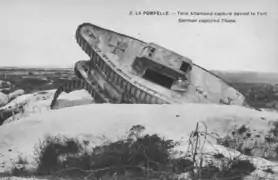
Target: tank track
[[99, 94], [129, 94], [113, 78], [79, 84]]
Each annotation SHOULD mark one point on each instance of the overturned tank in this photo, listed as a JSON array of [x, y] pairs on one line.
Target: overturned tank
[[122, 69]]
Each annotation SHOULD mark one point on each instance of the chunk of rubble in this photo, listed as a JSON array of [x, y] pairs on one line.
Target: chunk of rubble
[[6, 98]]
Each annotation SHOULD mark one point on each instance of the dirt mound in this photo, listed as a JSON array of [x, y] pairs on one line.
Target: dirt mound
[[99, 122]]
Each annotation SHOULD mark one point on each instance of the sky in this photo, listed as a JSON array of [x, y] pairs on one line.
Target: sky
[[40, 33]]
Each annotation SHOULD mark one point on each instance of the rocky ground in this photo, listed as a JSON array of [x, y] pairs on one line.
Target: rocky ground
[[249, 128], [229, 131]]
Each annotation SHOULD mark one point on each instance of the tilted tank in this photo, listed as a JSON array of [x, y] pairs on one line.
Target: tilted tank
[[123, 69]]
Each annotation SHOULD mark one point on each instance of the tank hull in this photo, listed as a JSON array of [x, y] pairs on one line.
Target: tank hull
[[113, 55]]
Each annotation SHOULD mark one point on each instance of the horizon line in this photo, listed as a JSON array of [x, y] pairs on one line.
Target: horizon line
[[51, 67]]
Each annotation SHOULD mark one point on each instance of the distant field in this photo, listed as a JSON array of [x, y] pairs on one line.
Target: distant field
[[32, 80], [258, 88], [249, 77]]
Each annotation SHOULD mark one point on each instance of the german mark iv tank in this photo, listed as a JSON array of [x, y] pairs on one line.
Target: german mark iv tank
[[123, 69]]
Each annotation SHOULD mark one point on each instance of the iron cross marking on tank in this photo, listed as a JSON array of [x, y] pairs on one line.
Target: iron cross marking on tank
[[119, 46]]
